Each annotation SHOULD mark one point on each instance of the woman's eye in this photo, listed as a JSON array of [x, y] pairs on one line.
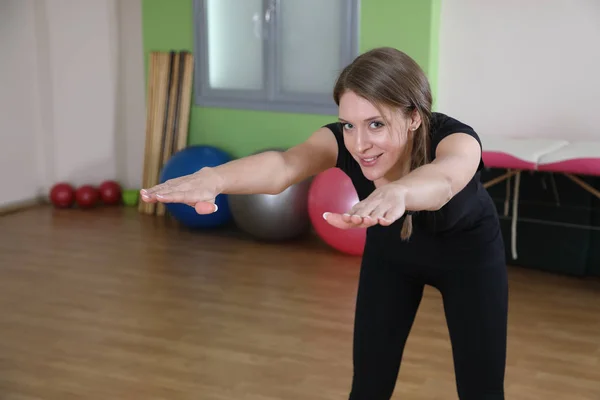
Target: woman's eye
[[376, 125], [347, 126]]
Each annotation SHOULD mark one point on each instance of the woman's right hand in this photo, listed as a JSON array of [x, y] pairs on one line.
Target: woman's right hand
[[198, 190]]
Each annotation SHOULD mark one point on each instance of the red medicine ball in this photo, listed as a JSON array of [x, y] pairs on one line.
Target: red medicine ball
[[62, 195], [110, 192], [86, 196]]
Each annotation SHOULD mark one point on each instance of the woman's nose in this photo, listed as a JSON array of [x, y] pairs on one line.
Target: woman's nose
[[362, 142]]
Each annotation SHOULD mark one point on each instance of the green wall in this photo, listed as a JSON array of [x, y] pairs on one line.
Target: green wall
[[409, 25]]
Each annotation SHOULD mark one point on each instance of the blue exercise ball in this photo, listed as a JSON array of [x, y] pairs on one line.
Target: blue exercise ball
[[186, 162]]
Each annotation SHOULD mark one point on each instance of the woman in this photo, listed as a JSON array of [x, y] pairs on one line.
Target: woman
[[429, 220]]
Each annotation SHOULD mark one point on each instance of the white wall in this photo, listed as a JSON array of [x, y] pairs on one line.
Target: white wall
[[83, 63], [18, 91], [522, 68], [131, 95], [72, 104]]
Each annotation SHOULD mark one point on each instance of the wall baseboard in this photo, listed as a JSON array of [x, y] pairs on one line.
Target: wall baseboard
[[21, 205]]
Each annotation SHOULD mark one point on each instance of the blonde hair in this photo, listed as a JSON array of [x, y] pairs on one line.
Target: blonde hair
[[387, 77]]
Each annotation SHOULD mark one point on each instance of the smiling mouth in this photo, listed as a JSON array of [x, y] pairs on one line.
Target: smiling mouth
[[368, 162]]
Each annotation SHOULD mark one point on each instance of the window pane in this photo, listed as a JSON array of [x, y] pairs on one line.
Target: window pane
[[235, 44], [310, 44]]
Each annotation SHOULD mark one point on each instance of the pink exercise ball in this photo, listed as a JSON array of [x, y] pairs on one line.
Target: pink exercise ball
[[332, 191]]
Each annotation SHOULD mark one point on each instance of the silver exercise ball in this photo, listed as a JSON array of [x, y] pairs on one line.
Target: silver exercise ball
[[273, 217]]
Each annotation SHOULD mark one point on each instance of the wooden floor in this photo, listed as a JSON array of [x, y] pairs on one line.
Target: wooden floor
[[108, 304]]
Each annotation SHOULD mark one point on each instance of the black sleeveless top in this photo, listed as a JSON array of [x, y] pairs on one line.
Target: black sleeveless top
[[468, 220]]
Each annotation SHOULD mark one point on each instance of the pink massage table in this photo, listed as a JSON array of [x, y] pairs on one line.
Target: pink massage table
[[549, 155]]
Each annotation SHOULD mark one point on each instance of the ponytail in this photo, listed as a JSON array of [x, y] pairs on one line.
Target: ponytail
[[407, 227], [419, 156]]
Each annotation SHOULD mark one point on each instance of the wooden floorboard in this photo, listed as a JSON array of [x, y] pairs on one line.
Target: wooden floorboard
[[111, 304]]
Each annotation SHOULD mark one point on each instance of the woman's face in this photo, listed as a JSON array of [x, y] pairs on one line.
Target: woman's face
[[378, 148]]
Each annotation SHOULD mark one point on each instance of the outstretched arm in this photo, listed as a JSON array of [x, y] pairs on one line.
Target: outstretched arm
[[431, 186], [428, 187], [269, 172], [272, 172]]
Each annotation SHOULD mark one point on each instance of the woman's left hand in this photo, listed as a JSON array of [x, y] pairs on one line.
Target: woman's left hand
[[384, 206]]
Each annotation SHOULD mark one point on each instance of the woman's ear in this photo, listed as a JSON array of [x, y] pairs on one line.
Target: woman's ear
[[415, 120]]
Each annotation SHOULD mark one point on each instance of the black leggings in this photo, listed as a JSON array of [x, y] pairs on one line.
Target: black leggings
[[476, 306]]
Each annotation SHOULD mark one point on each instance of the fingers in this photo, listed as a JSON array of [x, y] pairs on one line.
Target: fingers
[[363, 208], [392, 215], [193, 190], [352, 219], [366, 214], [179, 190], [384, 206], [150, 195], [177, 197], [181, 184], [345, 221], [386, 215], [146, 197], [171, 184], [339, 221], [192, 198]]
